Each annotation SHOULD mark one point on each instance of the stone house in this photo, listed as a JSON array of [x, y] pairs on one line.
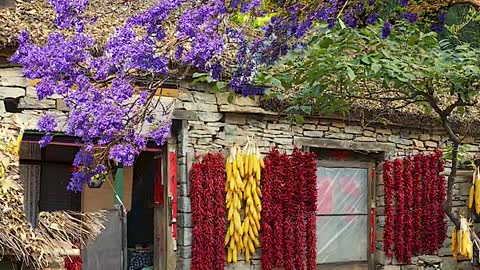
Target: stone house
[[206, 122]]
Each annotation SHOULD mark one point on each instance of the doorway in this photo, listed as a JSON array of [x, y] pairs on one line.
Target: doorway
[[140, 218]]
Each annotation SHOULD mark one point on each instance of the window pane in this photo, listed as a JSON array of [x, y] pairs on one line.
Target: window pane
[[54, 195], [341, 239], [342, 190]]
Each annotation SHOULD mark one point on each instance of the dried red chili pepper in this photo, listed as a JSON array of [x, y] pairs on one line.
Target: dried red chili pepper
[[417, 208], [399, 219], [408, 220]]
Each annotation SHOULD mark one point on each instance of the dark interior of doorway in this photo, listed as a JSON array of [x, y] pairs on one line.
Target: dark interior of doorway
[[140, 222]]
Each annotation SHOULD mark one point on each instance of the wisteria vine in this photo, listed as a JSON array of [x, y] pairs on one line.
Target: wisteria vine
[[112, 95]]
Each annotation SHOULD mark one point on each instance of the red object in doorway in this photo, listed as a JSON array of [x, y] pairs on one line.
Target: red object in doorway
[[173, 188], [372, 230], [158, 183]]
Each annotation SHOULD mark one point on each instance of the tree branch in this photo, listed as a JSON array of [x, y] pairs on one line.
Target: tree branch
[[447, 206]]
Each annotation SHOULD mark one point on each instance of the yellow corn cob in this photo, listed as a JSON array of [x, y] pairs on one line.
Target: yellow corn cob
[[246, 163], [247, 255], [236, 217], [477, 195], [470, 250], [229, 256], [245, 240], [465, 239], [470, 197], [236, 237], [255, 231], [459, 241], [227, 239], [230, 229], [454, 246], [234, 254], [228, 168], [262, 164], [256, 242], [257, 223], [251, 234], [251, 247], [246, 222], [252, 164], [259, 192], [238, 181], [240, 246]]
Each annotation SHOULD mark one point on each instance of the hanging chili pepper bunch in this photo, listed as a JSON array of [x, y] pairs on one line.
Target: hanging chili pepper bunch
[[74, 262], [415, 223], [207, 179], [289, 207]]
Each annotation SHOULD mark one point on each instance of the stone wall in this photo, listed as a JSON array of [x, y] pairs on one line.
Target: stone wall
[[15, 88], [208, 122], [212, 124]]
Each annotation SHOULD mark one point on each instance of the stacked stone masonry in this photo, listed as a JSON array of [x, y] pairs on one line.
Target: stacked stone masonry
[[209, 123], [214, 124]]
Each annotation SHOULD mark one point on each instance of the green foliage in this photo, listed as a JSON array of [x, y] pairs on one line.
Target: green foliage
[[343, 64]]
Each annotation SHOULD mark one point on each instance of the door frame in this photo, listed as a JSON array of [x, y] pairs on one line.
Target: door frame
[[161, 215], [370, 166]]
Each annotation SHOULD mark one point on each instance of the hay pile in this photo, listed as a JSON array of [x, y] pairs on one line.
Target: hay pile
[[36, 17], [56, 231]]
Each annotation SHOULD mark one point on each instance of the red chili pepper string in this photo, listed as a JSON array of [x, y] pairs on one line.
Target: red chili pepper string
[[215, 170], [408, 221], [310, 169], [417, 212], [388, 235], [399, 230], [208, 206], [298, 164], [426, 215], [289, 206], [197, 201], [268, 235]]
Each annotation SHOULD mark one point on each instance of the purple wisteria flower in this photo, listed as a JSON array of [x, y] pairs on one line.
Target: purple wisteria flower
[[47, 123], [372, 19], [410, 17], [386, 29], [404, 3]]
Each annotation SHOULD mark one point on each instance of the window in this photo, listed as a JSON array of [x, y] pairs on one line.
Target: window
[[45, 173], [342, 214]]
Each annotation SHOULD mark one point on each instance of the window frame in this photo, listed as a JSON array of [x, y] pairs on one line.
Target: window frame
[[370, 166]]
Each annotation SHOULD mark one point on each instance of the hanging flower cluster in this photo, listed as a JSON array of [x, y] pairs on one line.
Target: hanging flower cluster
[[417, 217], [289, 207], [208, 207]]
